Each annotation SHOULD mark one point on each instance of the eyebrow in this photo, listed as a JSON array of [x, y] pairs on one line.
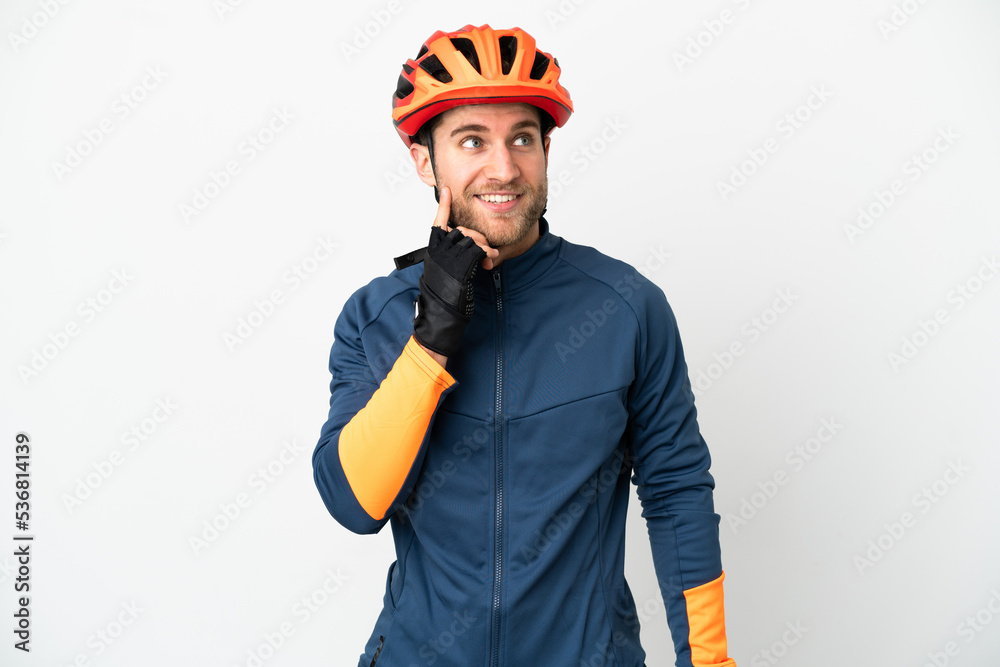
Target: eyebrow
[[482, 128]]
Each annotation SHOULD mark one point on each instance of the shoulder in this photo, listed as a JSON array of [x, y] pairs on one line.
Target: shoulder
[[643, 296]]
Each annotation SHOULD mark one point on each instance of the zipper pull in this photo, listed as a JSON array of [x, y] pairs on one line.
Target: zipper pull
[[496, 280]]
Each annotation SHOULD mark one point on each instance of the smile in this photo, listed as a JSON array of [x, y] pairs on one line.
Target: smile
[[497, 199]]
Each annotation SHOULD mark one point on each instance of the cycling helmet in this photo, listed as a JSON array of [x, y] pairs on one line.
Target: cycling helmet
[[476, 66]]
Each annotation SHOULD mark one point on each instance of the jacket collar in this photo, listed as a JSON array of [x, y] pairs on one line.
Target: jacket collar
[[519, 272]]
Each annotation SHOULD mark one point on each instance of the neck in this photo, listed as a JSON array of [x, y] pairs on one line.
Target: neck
[[519, 248]]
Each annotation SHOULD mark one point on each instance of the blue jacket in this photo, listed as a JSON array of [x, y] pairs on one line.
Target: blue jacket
[[505, 476]]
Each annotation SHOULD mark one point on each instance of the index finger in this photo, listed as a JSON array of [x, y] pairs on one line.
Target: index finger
[[444, 210]]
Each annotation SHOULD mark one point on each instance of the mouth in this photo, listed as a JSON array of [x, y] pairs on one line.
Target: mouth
[[499, 202]]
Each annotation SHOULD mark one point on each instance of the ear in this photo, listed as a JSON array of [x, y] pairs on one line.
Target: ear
[[422, 161], [545, 143]]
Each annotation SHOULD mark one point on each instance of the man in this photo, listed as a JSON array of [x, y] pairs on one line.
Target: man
[[492, 396]]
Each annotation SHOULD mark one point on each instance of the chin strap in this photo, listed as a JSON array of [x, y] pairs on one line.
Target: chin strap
[[410, 258], [430, 154]]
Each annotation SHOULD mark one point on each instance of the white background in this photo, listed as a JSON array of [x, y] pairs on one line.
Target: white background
[[336, 174]]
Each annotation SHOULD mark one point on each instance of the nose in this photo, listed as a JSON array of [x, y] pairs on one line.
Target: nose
[[500, 165]]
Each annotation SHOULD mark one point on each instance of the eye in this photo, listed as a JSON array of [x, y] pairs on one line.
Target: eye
[[466, 142], [525, 140]]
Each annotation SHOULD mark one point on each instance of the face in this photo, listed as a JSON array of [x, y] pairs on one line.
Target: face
[[493, 158]]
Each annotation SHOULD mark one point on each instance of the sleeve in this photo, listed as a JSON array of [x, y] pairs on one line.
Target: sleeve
[[671, 471], [371, 448]]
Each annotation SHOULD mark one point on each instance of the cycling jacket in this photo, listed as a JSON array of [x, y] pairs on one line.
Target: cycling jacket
[[505, 478]]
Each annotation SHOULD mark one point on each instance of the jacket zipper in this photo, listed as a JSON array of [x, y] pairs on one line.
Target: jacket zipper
[[498, 517]]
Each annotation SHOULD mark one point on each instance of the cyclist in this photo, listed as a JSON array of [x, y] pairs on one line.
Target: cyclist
[[492, 396]]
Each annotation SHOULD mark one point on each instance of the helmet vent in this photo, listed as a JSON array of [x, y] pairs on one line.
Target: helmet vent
[[467, 49], [423, 50], [508, 52], [403, 88], [433, 66], [540, 66]]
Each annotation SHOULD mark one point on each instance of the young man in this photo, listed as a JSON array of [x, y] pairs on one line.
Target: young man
[[492, 396]]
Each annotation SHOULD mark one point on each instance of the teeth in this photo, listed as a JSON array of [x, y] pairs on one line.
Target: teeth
[[497, 199]]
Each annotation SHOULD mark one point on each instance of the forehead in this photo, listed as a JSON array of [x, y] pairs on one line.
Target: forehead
[[495, 116]]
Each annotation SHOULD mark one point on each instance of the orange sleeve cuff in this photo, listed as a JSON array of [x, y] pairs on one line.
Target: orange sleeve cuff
[[707, 625], [379, 444]]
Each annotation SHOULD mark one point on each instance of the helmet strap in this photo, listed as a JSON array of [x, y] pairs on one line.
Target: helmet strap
[[430, 154]]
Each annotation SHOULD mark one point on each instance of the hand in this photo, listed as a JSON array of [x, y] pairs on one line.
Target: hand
[[446, 300], [444, 217]]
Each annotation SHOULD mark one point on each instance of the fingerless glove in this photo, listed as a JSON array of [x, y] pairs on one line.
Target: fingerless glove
[[446, 303]]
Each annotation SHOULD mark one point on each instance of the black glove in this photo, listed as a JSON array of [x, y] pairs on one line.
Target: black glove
[[445, 304]]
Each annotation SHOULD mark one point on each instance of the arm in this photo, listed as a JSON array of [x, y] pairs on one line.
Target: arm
[[675, 489], [371, 447], [440, 358]]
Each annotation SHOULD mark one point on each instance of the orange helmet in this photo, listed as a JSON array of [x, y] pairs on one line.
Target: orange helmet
[[476, 66]]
